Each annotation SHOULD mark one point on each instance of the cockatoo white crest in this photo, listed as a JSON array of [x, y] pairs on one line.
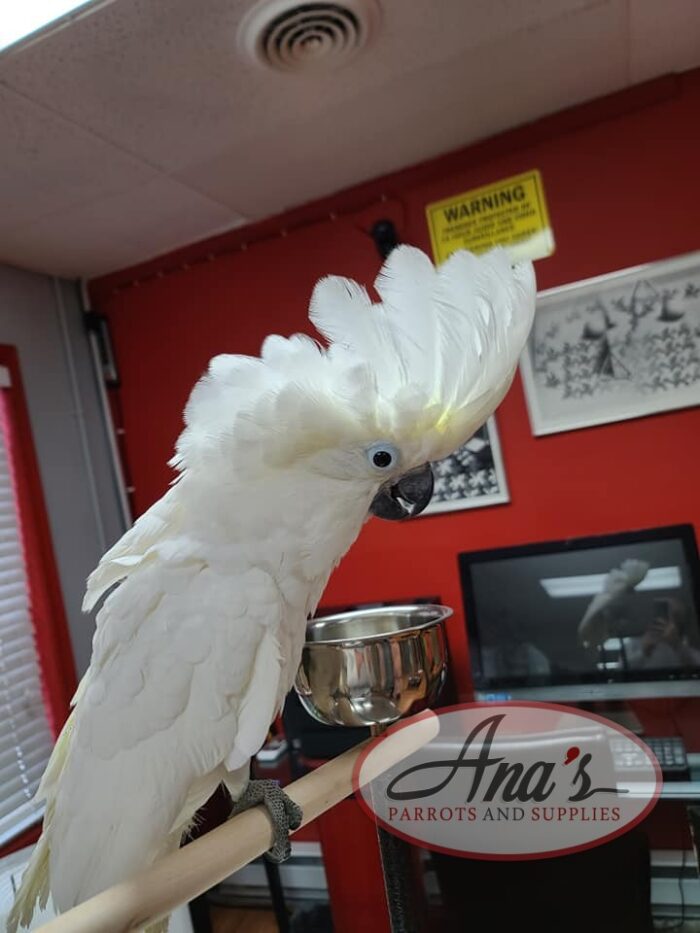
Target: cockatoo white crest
[[281, 461]]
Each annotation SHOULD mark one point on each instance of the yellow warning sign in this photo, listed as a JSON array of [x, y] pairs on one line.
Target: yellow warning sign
[[510, 213]]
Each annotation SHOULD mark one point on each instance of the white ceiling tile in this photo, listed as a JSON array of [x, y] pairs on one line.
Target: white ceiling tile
[[422, 114], [39, 249], [48, 163], [110, 233], [664, 37], [166, 80], [160, 76], [96, 116]]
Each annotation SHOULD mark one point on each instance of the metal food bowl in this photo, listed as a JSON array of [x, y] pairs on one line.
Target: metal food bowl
[[373, 666]]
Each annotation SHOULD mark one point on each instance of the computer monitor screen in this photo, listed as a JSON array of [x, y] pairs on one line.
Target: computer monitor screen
[[610, 617]]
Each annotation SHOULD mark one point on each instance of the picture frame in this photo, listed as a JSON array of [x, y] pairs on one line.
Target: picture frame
[[472, 477], [614, 347]]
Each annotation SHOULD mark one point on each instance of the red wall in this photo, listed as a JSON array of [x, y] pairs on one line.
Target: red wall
[[621, 180]]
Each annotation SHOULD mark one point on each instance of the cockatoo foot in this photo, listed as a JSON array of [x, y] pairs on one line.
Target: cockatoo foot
[[285, 815]]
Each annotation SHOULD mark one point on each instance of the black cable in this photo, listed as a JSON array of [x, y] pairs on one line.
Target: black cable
[[398, 882], [681, 921], [681, 889], [678, 924]]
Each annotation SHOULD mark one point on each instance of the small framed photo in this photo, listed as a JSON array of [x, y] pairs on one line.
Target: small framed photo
[[473, 476], [614, 347]]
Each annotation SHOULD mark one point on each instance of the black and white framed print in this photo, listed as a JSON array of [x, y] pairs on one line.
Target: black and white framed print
[[471, 477], [614, 347]]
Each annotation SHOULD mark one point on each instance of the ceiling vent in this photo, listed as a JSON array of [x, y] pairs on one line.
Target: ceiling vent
[[290, 36]]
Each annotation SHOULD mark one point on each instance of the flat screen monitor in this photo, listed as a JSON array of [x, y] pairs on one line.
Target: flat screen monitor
[[604, 618]]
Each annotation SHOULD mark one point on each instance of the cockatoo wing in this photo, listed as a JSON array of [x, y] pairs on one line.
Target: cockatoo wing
[[156, 524], [185, 679]]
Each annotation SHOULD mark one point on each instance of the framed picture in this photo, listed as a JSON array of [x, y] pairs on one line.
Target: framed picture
[[471, 477], [615, 347]]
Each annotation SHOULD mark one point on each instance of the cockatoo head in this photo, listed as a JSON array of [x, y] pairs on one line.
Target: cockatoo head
[[401, 383]]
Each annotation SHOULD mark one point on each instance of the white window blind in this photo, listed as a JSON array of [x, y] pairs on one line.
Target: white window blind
[[25, 736]]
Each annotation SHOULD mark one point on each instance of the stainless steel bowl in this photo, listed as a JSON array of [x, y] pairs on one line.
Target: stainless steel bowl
[[372, 667]]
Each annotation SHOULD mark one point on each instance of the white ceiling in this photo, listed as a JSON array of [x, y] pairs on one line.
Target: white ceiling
[[141, 126]]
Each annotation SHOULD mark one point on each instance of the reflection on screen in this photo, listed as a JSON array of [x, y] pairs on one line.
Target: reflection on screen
[[602, 612]]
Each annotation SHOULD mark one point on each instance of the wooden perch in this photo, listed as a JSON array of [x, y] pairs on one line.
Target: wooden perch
[[183, 875]]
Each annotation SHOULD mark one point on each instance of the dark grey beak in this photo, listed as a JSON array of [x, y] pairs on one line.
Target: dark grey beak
[[406, 497]]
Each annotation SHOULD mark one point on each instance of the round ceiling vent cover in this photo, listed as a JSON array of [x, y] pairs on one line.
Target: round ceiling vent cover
[[290, 36]]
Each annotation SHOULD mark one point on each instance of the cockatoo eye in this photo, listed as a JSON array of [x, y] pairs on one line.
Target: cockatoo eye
[[383, 456]]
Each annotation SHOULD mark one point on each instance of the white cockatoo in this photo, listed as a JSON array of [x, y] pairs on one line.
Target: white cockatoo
[[618, 584], [281, 461]]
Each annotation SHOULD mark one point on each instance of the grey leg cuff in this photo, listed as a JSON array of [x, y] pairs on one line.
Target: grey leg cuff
[[285, 815]]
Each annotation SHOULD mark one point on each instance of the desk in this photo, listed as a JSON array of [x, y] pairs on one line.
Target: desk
[[685, 791], [675, 886]]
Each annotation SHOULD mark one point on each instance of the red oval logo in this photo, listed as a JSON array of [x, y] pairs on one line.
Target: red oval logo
[[510, 781]]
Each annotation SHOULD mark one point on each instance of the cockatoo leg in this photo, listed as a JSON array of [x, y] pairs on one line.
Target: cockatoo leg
[[285, 815]]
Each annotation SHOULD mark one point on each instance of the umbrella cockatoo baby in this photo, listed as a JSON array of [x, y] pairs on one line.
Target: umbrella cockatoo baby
[[281, 461]]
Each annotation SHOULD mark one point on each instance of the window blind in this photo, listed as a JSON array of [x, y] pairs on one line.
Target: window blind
[[25, 736]]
